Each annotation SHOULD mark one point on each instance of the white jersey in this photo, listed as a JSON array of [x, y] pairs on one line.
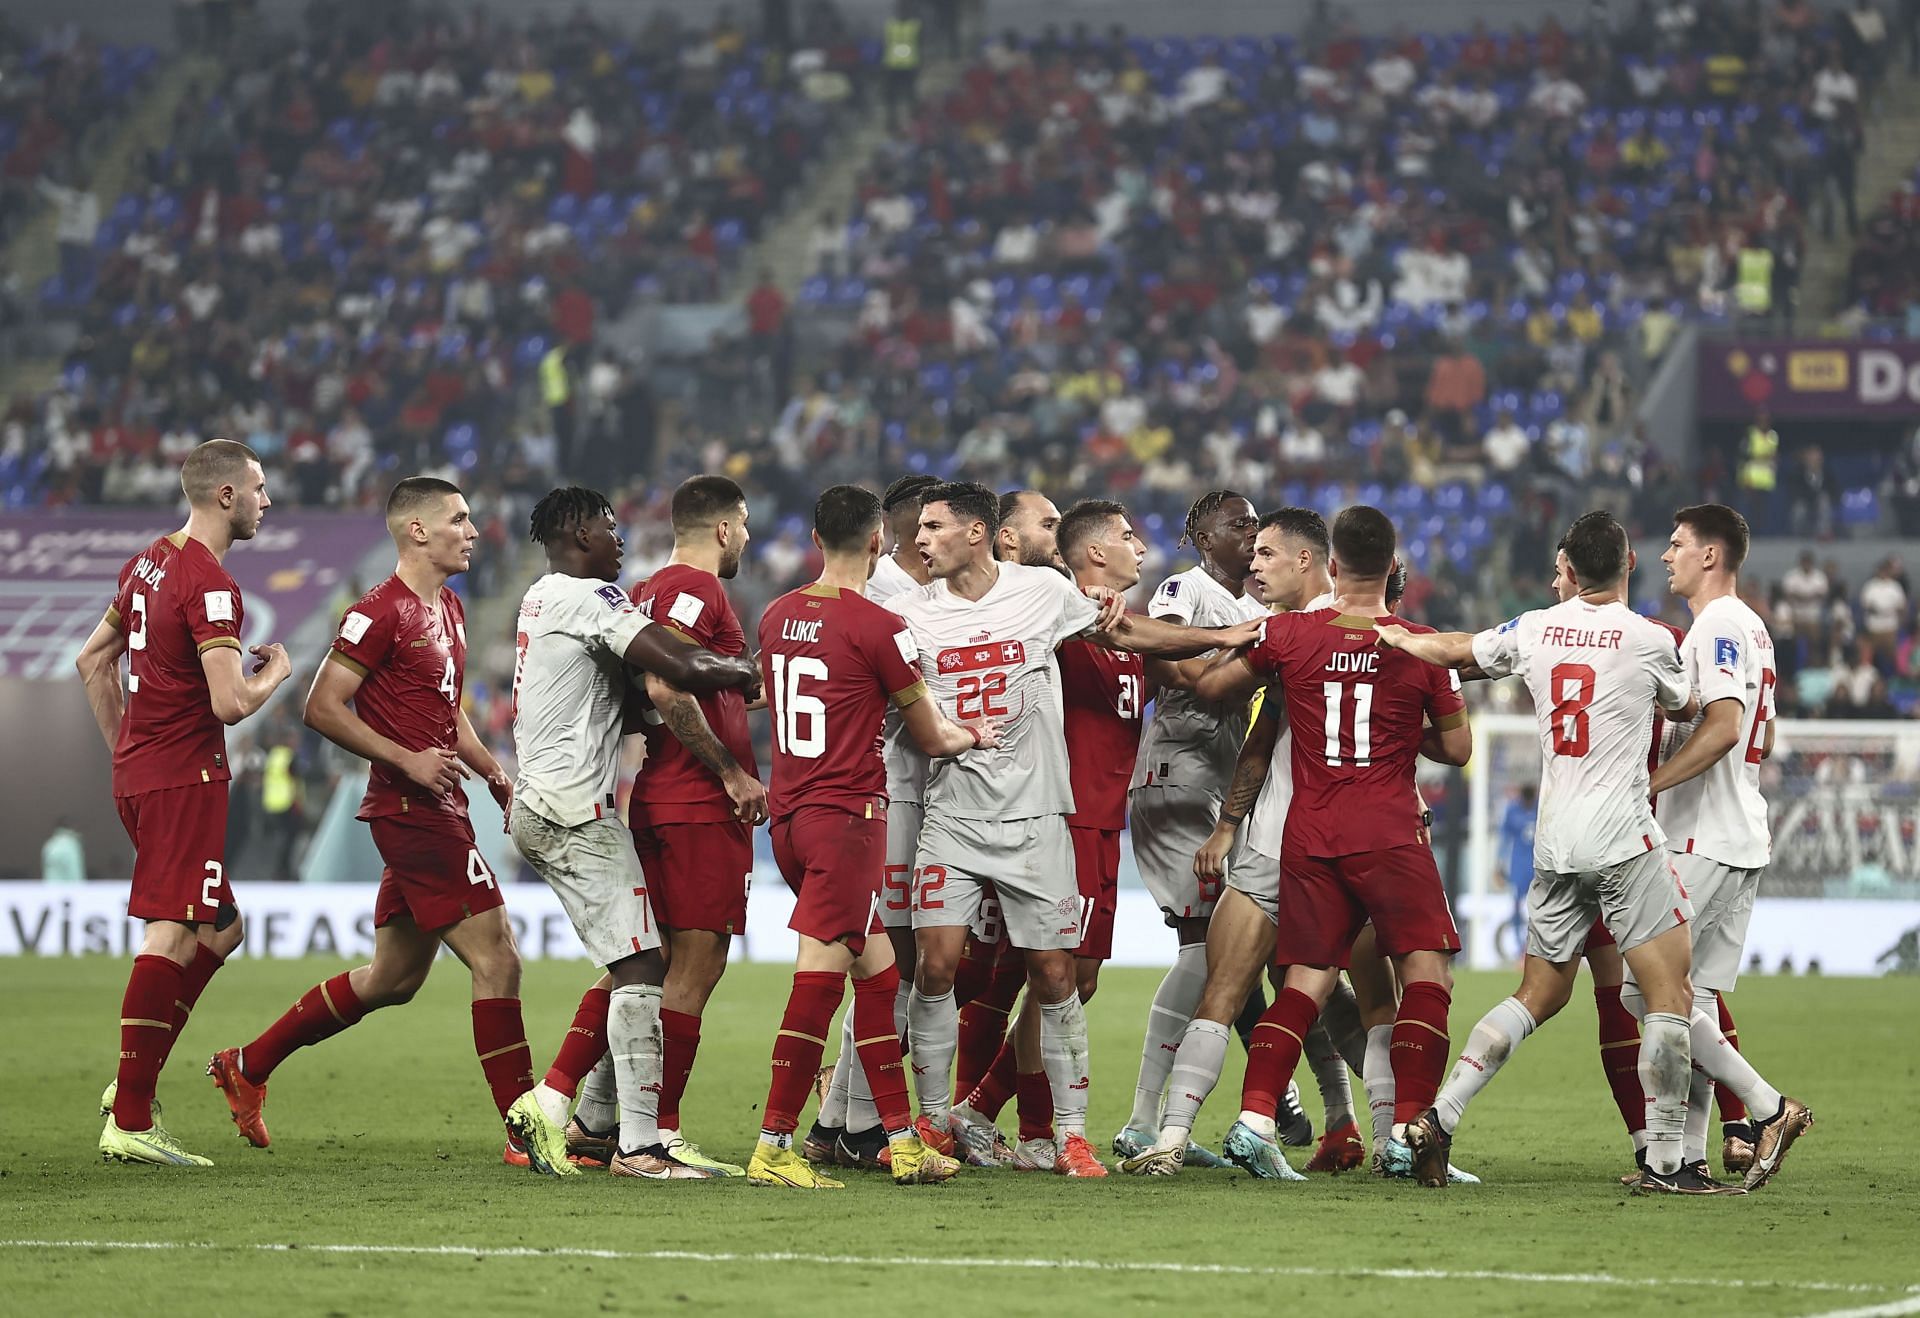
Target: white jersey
[[1191, 742], [1596, 673], [993, 658], [906, 766], [569, 680], [1266, 824], [1721, 814]]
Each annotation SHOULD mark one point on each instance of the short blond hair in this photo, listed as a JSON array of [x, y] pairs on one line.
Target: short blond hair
[[213, 464]]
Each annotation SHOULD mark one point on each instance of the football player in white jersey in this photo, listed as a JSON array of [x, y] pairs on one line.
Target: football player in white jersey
[[847, 1129], [577, 633], [1179, 780], [987, 632], [1715, 817], [1595, 670]]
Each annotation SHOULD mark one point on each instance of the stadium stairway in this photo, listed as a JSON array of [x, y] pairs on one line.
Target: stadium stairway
[[1886, 165], [783, 244], [33, 255]]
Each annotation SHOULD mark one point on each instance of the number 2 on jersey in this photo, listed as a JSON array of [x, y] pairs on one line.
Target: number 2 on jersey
[[799, 721], [980, 695], [1762, 715]]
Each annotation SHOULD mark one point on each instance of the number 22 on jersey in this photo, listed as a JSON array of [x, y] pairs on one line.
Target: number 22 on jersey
[[799, 719]]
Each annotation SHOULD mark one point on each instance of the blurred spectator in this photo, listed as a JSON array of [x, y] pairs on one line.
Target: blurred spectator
[[1810, 494], [1884, 610], [63, 857]]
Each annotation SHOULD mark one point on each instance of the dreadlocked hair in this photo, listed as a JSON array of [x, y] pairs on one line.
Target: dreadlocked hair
[[1204, 507], [559, 511]]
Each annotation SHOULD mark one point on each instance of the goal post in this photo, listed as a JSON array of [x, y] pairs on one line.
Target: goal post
[[1842, 894]]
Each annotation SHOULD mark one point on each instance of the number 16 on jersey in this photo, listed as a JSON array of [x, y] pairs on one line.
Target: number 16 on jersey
[[799, 719]]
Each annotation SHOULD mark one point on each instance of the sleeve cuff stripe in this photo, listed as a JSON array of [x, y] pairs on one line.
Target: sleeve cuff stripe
[[1448, 722], [216, 642], [908, 695], [347, 662]]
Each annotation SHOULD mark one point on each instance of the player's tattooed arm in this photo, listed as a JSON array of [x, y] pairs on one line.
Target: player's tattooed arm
[[1249, 776], [688, 666], [685, 719], [1442, 649], [99, 665]]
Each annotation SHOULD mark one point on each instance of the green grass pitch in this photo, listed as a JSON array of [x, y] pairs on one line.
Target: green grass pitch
[[384, 1138]]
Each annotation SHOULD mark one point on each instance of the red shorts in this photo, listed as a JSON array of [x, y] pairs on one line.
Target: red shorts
[[1599, 936], [697, 873], [435, 875], [1324, 901], [179, 852], [833, 860], [1096, 867]]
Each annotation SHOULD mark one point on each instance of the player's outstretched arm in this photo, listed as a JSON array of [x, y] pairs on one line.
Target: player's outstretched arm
[[237, 694], [1174, 674], [1172, 640], [685, 719], [1228, 677], [1441, 649], [1718, 733], [939, 736], [474, 754], [99, 665], [691, 668], [328, 711]]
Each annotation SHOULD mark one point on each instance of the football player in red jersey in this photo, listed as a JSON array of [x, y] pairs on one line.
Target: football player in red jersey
[[831, 662], [389, 691], [1354, 849], [698, 797], [177, 616]]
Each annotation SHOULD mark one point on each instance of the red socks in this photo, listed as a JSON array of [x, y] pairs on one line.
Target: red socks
[[1620, 1057], [1274, 1050], [585, 1042], [322, 1012], [193, 982], [799, 1045], [500, 1039], [1036, 1105], [983, 1024], [680, 1040], [878, 1048], [146, 1035], [997, 1086], [1419, 1048], [1731, 1108]]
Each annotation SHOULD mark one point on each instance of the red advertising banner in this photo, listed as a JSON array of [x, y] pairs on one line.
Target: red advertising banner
[[1809, 378]]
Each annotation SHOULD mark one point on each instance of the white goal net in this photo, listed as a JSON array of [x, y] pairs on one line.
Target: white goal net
[[1842, 895]]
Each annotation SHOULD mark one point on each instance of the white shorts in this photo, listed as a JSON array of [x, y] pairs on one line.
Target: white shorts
[[1722, 909], [903, 839], [1026, 863], [593, 869], [1169, 826], [1253, 872], [1639, 899]]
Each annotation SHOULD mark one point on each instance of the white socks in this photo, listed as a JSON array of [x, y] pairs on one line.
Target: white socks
[[1693, 1144], [1063, 1051], [833, 1108], [933, 1028], [1377, 1076], [598, 1108], [1196, 1070], [1665, 1074], [849, 1104], [1493, 1040], [1341, 1020], [1173, 1005], [633, 1040], [1723, 1063], [1330, 1073]]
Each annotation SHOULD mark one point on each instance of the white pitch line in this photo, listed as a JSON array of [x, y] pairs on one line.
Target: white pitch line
[[1037, 1264], [1891, 1309]]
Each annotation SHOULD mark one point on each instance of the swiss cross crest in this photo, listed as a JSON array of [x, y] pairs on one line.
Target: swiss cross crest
[[1010, 652]]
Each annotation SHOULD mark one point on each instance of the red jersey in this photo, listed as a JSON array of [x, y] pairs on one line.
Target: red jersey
[[831, 660], [1102, 692], [413, 657], [1358, 714], [175, 602], [676, 787]]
